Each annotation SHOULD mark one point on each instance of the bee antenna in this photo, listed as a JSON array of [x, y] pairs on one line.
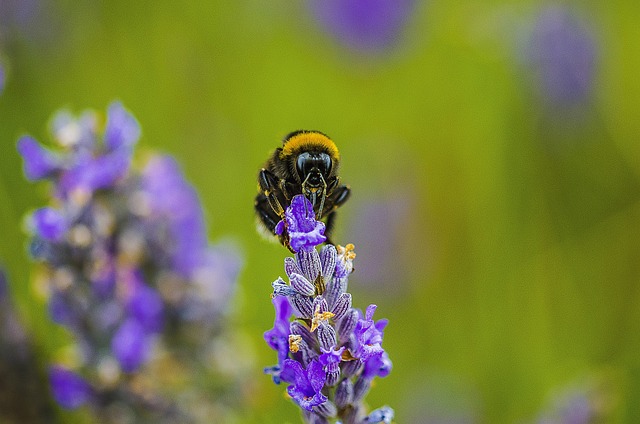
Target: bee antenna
[[324, 194]]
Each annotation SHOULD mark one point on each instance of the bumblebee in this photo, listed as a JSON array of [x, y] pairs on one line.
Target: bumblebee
[[307, 163]]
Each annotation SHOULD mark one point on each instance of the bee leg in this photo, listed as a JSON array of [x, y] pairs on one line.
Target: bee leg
[[332, 183], [340, 195], [331, 221], [266, 214], [268, 185], [269, 219], [337, 198]]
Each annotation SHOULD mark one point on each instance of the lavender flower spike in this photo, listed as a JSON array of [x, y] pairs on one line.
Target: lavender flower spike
[[132, 276], [332, 352]]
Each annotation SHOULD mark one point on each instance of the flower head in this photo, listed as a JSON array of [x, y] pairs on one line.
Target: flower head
[[132, 273], [88, 164], [303, 230], [330, 353]]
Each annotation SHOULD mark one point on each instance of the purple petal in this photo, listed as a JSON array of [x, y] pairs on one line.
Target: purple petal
[[278, 337], [316, 375], [69, 389], [49, 223], [377, 365], [147, 308], [38, 162], [122, 129], [279, 228], [371, 309], [59, 310], [304, 231], [130, 345], [283, 310], [292, 372], [90, 174]]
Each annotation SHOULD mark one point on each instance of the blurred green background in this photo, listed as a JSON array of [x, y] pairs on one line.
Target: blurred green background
[[508, 225]]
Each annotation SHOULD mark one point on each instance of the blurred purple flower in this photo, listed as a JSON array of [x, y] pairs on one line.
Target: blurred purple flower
[[122, 131], [131, 345], [387, 215], [171, 198], [49, 224], [17, 13], [69, 389], [575, 405], [563, 53], [365, 25], [129, 263], [38, 162], [147, 308], [85, 166], [31, 20]]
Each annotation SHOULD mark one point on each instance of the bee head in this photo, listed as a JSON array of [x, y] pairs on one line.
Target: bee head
[[314, 169]]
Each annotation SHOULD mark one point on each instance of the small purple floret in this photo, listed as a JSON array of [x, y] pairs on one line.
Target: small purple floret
[[278, 337], [49, 223], [69, 389], [306, 384], [38, 161], [305, 233], [122, 129], [147, 308], [130, 345], [369, 335]]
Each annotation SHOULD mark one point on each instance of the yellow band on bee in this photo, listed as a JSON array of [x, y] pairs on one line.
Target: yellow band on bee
[[303, 141]]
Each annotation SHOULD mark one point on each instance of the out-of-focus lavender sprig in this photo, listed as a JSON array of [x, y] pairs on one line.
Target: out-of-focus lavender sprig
[[562, 52], [328, 352], [131, 274], [589, 402], [364, 25]]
